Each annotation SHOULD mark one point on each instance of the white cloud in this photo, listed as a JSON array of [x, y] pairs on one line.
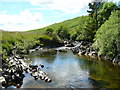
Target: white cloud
[[4, 12], [67, 6], [25, 20], [15, 0]]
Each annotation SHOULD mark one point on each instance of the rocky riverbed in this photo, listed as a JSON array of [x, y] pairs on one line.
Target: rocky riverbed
[[14, 69]]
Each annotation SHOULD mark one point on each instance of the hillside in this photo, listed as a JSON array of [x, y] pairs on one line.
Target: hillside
[[71, 25], [29, 39]]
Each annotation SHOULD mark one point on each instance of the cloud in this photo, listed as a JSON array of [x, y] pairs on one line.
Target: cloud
[[66, 6], [15, 0], [4, 12], [25, 20]]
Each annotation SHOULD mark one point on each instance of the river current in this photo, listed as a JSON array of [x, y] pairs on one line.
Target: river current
[[68, 70]]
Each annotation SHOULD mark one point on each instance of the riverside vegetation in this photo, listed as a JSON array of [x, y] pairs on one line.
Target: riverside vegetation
[[95, 34]]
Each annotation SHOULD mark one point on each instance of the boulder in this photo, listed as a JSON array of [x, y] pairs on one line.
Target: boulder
[[75, 50], [34, 74], [0, 70], [119, 63], [101, 57], [65, 42], [69, 45], [87, 53], [93, 53], [116, 59], [41, 76], [11, 61], [4, 84], [31, 50], [37, 48], [47, 79], [82, 52], [2, 79], [34, 67], [88, 49], [42, 66]]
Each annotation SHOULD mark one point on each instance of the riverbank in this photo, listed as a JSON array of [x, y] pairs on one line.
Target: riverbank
[[85, 48]]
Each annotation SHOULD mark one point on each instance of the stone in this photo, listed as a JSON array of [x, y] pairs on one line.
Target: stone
[[46, 79], [42, 66], [87, 53], [37, 48], [119, 63], [31, 50], [41, 76], [35, 74], [94, 53], [49, 80], [2, 79], [116, 59], [1, 70], [81, 52], [69, 45], [18, 85], [4, 84], [101, 57]]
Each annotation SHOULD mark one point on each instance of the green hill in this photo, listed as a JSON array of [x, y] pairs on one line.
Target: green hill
[[30, 39], [70, 24]]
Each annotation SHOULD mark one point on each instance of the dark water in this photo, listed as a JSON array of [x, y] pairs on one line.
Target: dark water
[[68, 70]]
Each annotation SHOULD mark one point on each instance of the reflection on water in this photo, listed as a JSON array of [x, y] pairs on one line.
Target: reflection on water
[[69, 70]]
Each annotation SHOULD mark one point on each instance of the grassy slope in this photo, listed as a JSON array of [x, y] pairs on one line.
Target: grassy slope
[[71, 24], [27, 38]]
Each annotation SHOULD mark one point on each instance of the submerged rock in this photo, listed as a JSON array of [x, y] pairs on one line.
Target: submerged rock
[[42, 66]]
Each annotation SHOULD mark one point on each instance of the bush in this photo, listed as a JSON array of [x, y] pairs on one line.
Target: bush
[[107, 38]]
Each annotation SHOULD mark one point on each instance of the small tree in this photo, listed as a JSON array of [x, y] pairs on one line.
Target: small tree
[[49, 31], [63, 33], [87, 32]]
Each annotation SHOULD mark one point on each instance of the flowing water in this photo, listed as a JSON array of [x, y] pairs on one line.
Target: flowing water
[[68, 70]]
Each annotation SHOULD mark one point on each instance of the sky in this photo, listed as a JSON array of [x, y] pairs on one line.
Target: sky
[[24, 15]]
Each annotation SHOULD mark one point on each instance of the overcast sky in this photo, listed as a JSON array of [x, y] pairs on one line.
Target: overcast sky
[[23, 15]]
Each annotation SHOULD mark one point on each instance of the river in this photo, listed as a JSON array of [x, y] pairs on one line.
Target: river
[[68, 70]]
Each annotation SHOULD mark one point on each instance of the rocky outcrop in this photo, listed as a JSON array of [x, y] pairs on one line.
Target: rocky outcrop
[[13, 69]]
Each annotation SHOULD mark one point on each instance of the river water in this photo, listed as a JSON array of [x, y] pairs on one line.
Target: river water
[[68, 70]]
